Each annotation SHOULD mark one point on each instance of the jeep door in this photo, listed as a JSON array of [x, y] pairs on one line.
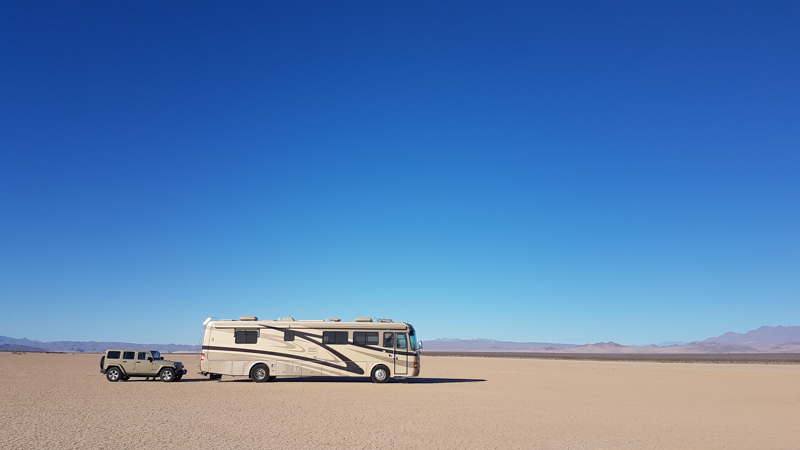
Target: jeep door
[[128, 362], [143, 364]]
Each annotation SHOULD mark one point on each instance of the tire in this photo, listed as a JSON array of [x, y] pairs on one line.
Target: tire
[[215, 376], [380, 374], [113, 374], [178, 377], [102, 361], [167, 375], [260, 373]]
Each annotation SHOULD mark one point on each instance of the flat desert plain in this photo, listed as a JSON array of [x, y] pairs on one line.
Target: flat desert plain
[[53, 401]]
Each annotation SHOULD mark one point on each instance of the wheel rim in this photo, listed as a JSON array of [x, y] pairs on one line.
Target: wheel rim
[[166, 375], [380, 374], [114, 375], [261, 373]]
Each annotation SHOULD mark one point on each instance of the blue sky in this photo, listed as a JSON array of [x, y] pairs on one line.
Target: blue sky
[[564, 172]]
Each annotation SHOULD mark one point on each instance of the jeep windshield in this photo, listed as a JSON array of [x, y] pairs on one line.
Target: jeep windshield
[[155, 354]]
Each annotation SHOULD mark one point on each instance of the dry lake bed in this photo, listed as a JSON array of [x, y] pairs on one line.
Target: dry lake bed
[[53, 401]]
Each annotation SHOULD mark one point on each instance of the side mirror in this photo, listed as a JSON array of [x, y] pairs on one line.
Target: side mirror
[[150, 359]]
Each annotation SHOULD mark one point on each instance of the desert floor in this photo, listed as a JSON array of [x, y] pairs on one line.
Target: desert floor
[[63, 401]]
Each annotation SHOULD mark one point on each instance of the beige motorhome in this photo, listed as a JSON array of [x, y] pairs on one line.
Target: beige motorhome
[[266, 349]]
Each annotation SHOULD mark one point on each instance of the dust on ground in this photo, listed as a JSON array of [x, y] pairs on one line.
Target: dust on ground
[[55, 401]]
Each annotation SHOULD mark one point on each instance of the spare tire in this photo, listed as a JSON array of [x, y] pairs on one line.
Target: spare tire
[[102, 361]]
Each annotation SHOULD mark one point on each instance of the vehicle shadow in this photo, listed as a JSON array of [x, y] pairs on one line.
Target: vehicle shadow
[[442, 380], [351, 380], [143, 380]]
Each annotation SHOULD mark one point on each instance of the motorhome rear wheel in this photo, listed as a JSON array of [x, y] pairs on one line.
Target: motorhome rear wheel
[[260, 373]]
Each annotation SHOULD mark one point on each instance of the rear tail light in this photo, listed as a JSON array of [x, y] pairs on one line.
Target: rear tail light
[[202, 356]]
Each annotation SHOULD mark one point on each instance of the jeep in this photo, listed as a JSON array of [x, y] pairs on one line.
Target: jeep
[[123, 364]]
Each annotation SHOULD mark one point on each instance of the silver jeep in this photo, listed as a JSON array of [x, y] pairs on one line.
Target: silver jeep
[[123, 364]]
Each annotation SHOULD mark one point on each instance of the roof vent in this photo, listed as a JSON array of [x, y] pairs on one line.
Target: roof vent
[[363, 319], [385, 320], [334, 319], [248, 318], [288, 319]]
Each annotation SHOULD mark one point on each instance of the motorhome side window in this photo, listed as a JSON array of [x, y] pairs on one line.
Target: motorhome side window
[[113, 355], [334, 337], [246, 336], [388, 340], [288, 335], [365, 338]]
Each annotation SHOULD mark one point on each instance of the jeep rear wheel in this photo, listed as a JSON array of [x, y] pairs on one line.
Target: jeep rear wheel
[[167, 375], [113, 374], [260, 373]]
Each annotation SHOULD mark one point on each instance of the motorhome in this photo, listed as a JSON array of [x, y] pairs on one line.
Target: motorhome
[[267, 349]]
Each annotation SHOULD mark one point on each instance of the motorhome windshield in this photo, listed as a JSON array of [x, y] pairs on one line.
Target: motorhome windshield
[[155, 354], [412, 337]]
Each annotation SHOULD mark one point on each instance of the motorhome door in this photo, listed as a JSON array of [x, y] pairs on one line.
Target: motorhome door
[[401, 355]]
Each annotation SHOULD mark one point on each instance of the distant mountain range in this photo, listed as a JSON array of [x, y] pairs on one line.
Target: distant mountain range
[[27, 345], [778, 339], [491, 345], [764, 335]]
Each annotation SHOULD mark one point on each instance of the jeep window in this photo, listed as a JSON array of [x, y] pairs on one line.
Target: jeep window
[[288, 335], [334, 337], [142, 356], [365, 338], [113, 355], [128, 355], [156, 355], [246, 336]]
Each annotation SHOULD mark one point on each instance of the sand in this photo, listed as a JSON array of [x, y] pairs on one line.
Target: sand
[[63, 401]]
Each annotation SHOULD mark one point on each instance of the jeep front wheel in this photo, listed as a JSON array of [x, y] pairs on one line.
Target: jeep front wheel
[[113, 374], [167, 375]]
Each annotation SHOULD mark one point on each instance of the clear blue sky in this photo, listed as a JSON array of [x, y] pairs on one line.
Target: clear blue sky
[[571, 171]]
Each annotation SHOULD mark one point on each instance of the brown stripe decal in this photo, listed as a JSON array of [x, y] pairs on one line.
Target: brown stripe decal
[[326, 347], [350, 365]]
